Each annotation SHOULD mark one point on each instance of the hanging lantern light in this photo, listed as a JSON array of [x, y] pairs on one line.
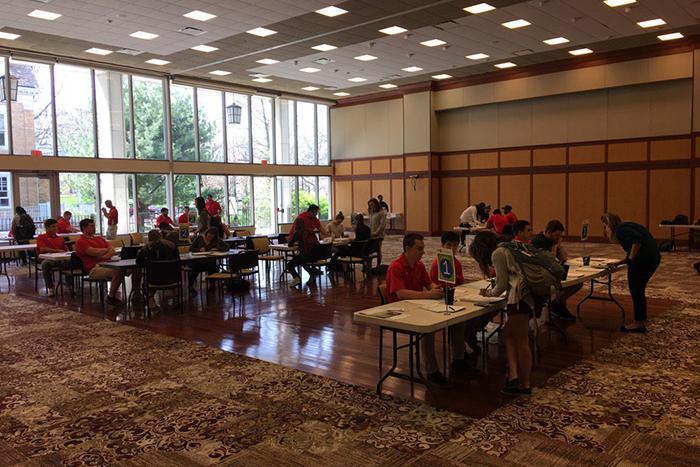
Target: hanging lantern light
[[13, 88], [233, 114]]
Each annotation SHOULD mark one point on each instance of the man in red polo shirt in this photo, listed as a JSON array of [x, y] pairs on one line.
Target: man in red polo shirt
[[112, 219], [49, 242], [497, 221], [63, 225], [185, 216], [510, 215], [213, 206], [163, 218], [310, 220]]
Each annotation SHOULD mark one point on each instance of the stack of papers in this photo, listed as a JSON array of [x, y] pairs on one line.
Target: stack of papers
[[384, 314]]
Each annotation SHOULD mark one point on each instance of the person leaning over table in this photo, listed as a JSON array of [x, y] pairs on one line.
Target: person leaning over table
[[336, 227], [468, 219], [49, 242], [643, 258], [407, 279], [311, 222], [310, 250], [209, 241], [64, 226], [164, 217], [488, 254]]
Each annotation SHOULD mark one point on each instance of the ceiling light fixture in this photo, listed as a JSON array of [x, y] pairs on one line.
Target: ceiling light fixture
[[357, 79], [147, 36], [433, 43], [204, 48], [671, 36], [505, 65], [412, 69], [157, 61], [479, 56], [8, 36], [388, 86], [199, 15], [615, 3], [365, 58], [47, 15], [261, 32], [262, 80], [390, 31], [479, 8], [341, 94], [219, 72], [310, 70], [331, 11], [98, 51], [515, 24], [651, 23], [584, 51], [324, 47], [310, 88], [556, 41], [442, 76], [267, 61]]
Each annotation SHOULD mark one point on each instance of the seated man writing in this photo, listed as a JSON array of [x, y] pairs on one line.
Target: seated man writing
[[49, 242]]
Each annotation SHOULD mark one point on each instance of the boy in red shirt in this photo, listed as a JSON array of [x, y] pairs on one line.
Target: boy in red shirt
[[64, 226], [311, 222], [164, 218], [213, 206], [185, 216], [49, 242], [510, 215]]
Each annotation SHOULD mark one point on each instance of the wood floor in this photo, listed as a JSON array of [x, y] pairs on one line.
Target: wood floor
[[312, 330]]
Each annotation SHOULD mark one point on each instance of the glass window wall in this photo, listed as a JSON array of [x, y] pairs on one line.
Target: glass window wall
[[238, 127], [74, 122], [240, 203], [211, 133], [182, 116]]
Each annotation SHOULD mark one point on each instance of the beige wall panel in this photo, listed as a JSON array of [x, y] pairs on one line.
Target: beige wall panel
[[361, 167], [671, 107], [454, 200], [416, 115], [515, 124], [696, 90], [361, 193], [483, 160], [343, 168], [589, 154], [514, 89], [381, 166], [587, 116], [395, 125], [583, 79], [627, 195], [377, 136], [629, 112], [479, 94], [343, 197], [435, 203], [549, 156], [452, 126], [374, 129], [454, 162], [627, 152], [417, 163], [549, 119], [449, 98], [626, 73], [484, 189], [671, 66], [671, 149], [548, 199], [519, 158], [669, 195], [397, 198], [397, 165], [382, 187], [586, 201], [515, 190], [482, 129], [346, 124], [418, 202]]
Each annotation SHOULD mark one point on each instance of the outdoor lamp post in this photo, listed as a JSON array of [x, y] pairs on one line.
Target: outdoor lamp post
[[233, 113], [13, 89]]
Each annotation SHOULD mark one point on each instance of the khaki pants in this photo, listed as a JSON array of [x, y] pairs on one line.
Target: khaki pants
[[111, 232]]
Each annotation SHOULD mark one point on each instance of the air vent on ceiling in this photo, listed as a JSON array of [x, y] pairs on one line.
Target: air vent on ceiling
[[131, 52], [323, 61], [191, 31], [520, 53], [445, 25]]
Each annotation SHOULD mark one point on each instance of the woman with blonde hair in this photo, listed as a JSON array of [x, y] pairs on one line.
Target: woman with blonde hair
[[643, 258], [336, 227]]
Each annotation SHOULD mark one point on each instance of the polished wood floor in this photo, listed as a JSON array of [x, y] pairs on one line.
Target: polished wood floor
[[312, 330]]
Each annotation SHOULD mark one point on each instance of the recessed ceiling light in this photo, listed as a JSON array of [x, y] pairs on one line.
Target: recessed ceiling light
[[199, 15], [41, 14], [341, 94], [478, 56], [388, 86], [204, 48], [310, 88], [267, 61], [98, 51], [479, 8], [614, 3], [365, 58], [412, 69], [262, 80], [331, 11], [219, 72], [442, 76], [391, 30], [324, 47], [261, 32], [515, 24], [433, 43], [357, 79], [147, 36], [310, 69], [8, 36], [556, 41], [651, 23], [670, 36], [505, 65], [157, 61], [584, 51]]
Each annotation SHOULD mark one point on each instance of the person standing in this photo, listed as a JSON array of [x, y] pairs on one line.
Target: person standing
[[643, 258], [203, 217], [110, 212], [63, 225], [311, 222], [50, 242], [382, 203], [23, 230], [510, 215], [377, 225], [213, 206]]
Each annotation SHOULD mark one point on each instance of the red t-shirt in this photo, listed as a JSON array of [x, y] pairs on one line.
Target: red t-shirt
[[163, 218], [184, 218], [53, 242], [401, 276], [63, 226], [112, 216], [310, 221], [458, 271], [498, 221], [512, 218], [83, 244], [213, 208]]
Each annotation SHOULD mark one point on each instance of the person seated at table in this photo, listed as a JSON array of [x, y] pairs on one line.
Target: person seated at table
[[209, 241], [450, 241], [522, 231], [157, 249], [407, 279], [203, 217], [494, 259], [497, 221], [309, 251], [311, 222], [184, 218], [164, 227], [336, 227], [64, 226], [510, 215], [551, 240], [362, 231], [164, 218], [93, 251], [49, 242]]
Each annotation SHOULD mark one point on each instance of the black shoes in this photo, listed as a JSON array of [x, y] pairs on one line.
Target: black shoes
[[438, 379], [513, 387], [559, 311]]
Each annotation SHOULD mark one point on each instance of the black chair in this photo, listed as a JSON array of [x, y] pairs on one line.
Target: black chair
[[323, 257], [85, 277], [73, 272], [356, 255], [163, 275], [245, 265]]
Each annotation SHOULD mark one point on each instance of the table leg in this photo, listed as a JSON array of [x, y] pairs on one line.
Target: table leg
[[608, 298], [393, 364], [4, 261], [410, 361]]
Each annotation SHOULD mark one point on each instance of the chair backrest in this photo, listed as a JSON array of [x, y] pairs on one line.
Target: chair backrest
[[73, 238], [75, 262], [116, 243], [357, 248], [325, 251], [124, 238], [163, 272], [241, 233], [182, 249], [259, 244], [245, 260], [381, 290], [136, 238], [372, 246]]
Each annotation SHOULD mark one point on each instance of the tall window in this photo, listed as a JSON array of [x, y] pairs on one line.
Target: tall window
[[308, 192], [120, 189], [32, 113], [74, 122], [211, 135], [5, 195], [151, 197], [215, 185], [264, 202], [238, 134], [4, 140], [307, 133], [324, 150], [185, 187], [149, 121], [79, 196], [113, 114], [286, 132], [324, 198], [287, 204], [262, 121], [240, 203], [182, 116]]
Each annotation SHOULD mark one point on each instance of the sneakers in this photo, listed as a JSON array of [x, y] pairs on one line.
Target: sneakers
[[294, 282], [560, 311], [463, 366], [438, 379]]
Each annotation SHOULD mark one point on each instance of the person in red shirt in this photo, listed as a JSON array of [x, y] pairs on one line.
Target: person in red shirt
[[497, 221], [164, 218], [49, 242], [510, 215], [184, 218], [522, 231], [63, 225], [112, 219], [213, 206], [309, 250], [311, 222]]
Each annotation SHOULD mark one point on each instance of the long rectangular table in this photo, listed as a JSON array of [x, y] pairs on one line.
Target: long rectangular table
[[11, 250], [675, 235]]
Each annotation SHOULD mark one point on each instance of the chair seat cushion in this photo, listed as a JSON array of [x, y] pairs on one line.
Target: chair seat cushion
[[248, 271], [352, 259], [271, 257], [321, 262], [218, 276]]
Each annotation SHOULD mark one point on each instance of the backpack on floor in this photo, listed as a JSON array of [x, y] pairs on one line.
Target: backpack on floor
[[541, 269]]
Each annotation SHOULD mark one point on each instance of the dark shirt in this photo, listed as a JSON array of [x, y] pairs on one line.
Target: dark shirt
[[629, 233], [542, 242], [159, 250], [384, 206], [362, 232], [200, 245]]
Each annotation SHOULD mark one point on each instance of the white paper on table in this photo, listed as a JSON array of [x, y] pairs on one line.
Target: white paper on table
[[472, 295], [441, 308]]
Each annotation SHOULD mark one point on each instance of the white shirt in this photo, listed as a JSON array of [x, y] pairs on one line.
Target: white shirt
[[468, 216]]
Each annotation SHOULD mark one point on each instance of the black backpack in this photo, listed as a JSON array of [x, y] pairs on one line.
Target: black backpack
[[681, 219], [25, 228]]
